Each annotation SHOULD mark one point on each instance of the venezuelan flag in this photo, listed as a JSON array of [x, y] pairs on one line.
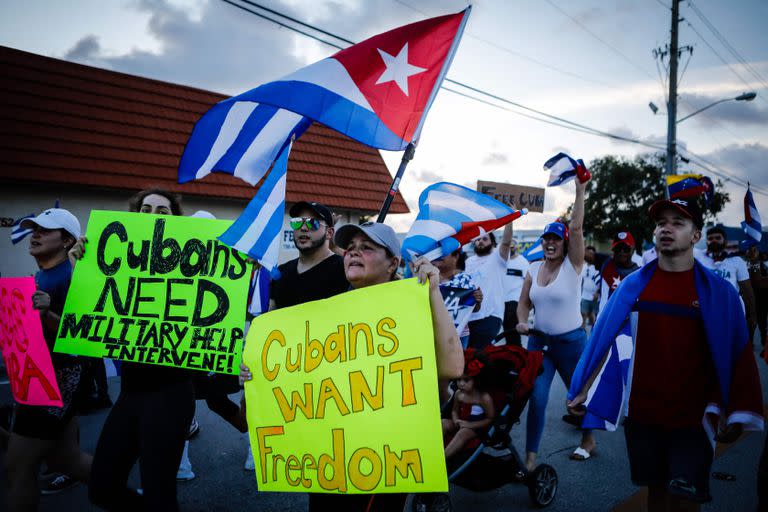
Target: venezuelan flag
[[681, 186]]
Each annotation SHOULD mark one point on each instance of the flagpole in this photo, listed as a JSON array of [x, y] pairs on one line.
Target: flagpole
[[410, 150]]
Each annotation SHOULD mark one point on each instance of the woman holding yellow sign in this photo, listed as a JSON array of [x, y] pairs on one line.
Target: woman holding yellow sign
[[371, 257]]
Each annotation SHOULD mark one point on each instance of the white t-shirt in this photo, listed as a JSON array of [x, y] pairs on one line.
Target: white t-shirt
[[733, 269], [649, 256], [590, 281], [488, 273], [558, 305], [513, 280]]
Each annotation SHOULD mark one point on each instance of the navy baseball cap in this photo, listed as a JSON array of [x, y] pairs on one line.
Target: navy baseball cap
[[688, 208], [556, 228]]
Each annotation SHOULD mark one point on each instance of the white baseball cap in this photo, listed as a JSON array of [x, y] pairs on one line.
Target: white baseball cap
[[203, 214], [55, 218]]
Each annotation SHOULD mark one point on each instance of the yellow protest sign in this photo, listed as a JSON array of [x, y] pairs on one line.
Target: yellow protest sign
[[344, 394]]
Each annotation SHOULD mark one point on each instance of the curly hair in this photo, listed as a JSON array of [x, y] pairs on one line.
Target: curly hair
[[134, 203]]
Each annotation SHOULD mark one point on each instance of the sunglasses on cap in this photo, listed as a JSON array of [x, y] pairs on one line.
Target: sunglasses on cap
[[312, 224]]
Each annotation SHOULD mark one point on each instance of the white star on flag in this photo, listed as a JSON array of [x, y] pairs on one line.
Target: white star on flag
[[616, 283], [398, 69]]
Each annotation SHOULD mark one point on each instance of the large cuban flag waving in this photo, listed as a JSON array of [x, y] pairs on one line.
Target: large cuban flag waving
[[377, 92], [449, 217]]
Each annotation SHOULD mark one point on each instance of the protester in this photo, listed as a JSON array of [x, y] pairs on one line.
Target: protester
[[691, 364], [488, 267], [150, 419], [451, 276], [472, 411], [758, 275], [553, 288], [731, 268], [616, 268], [48, 434], [517, 266], [589, 288], [318, 272], [371, 257]]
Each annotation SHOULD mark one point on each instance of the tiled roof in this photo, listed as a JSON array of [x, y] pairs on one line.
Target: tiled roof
[[71, 124]]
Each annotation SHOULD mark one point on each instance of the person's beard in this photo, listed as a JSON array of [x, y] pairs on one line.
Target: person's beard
[[313, 248], [715, 247], [483, 251]]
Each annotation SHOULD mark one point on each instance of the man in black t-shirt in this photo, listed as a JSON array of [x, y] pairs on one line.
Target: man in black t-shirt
[[318, 273]]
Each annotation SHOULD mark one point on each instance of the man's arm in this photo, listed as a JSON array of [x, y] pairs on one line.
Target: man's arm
[[506, 242]]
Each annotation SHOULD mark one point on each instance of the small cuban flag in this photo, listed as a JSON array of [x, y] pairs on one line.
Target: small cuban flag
[[752, 225], [18, 233], [562, 169], [535, 252], [451, 216]]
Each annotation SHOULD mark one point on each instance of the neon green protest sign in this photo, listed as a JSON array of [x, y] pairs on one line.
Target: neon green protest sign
[[344, 394], [157, 289]]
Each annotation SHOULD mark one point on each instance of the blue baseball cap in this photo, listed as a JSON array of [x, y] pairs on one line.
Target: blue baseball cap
[[556, 228]]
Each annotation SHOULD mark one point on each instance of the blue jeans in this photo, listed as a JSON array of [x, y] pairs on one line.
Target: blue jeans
[[561, 353]]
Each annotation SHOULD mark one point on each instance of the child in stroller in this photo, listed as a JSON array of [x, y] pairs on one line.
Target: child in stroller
[[472, 412], [489, 460]]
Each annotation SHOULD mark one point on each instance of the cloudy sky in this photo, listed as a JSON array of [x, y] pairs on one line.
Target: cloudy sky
[[588, 61]]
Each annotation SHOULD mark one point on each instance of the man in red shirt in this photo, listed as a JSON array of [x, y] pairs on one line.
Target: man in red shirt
[[686, 373]]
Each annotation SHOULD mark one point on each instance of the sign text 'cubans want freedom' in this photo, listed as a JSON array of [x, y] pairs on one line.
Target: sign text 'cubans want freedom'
[[170, 299], [352, 405]]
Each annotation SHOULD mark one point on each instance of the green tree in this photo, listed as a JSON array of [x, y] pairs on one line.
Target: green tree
[[621, 191]]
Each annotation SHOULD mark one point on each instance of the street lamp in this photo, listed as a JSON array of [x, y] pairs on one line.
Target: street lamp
[[747, 96], [672, 126]]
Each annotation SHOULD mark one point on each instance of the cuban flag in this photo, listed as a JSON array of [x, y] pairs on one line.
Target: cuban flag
[[258, 292], [451, 216], [18, 233], [612, 378], [682, 186], [257, 231], [377, 92], [751, 225], [535, 252], [562, 169]]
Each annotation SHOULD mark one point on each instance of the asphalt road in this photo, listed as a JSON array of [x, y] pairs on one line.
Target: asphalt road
[[601, 483]]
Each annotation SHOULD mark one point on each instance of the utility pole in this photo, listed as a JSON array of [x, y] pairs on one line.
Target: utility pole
[[672, 99]]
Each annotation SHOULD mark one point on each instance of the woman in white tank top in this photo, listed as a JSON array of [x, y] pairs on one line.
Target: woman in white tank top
[[553, 288]]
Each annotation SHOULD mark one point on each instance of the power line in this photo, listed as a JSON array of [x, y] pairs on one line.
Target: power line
[[728, 46], [606, 44], [282, 24], [547, 118], [519, 55]]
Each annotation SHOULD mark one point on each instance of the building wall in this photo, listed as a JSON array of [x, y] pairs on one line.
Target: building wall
[[18, 200]]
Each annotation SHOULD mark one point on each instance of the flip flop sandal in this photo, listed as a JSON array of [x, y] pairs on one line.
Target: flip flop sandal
[[580, 454]]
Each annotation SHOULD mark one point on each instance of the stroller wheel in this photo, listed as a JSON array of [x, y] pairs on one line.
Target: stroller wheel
[[542, 485], [431, 503]]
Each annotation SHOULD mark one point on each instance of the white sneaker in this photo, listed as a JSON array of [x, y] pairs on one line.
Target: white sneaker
[[249, 465], [184, 475]]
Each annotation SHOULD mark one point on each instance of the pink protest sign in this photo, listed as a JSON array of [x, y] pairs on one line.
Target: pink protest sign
[[26, 355]]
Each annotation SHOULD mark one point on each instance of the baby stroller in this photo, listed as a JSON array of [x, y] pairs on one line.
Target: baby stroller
[[491, 461]]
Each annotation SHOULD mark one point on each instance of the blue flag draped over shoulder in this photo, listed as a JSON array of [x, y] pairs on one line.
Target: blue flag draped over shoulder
[[724, 325]]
